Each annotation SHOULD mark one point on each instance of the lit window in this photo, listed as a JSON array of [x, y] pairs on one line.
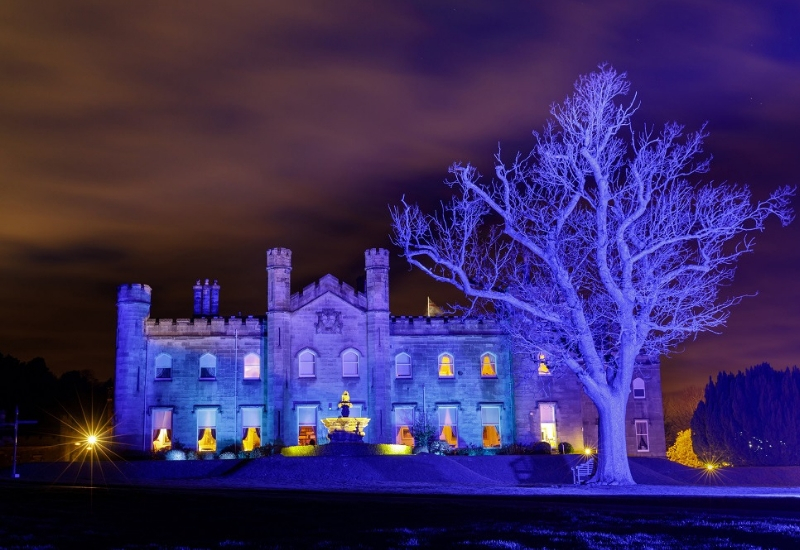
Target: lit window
[[163, 367], [307, 362], [448, 425], [543, 369], [642, 439], [488, 365], [307, 425], [446, 366], [162, 430], [402, 365], [252, 366], [547, 423], [350, 363], [208, 367], [403, 422], [638, 388], [251, 428], [206, 430], [490, 419]]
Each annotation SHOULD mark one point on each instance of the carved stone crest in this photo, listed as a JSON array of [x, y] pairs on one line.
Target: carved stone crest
[[329, 321]]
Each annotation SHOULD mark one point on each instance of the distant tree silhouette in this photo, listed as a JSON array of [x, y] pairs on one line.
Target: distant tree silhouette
[[41, 396], [750, 418]]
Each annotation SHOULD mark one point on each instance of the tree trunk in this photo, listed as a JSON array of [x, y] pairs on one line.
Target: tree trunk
[[612, 455]]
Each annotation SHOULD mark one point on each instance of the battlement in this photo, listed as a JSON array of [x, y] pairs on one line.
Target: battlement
[[279, 257], [376, 258], [134, 292], [206, 326], [328, 283], [440, 326]]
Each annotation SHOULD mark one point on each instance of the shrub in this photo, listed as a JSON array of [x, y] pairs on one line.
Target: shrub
[[175, 454], [682, 452], [191, 455], [227, 455], [541, 448], [207, 455], [565, 448]]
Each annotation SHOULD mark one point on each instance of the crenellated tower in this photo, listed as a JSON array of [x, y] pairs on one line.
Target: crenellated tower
[[133, 309], [376, 263], [278, 352]]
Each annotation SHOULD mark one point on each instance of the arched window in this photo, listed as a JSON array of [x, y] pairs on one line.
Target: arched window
[[350, 363], [252, 366], [163, 367], [542, 368], [307, 363], [402, 365], [446, 366], [638, 388], [208, 367], [488, 366]]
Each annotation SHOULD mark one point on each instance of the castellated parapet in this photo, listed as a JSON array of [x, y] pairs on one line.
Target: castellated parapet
[[442, 326], [376, 258], [279, 257], [134, 292], [214, 326]]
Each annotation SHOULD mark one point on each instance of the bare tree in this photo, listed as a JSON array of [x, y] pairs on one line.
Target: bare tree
[[594, 248]]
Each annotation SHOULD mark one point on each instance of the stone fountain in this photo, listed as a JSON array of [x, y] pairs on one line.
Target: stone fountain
[[345, 429]]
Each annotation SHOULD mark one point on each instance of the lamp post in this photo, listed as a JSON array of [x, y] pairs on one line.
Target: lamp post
[[17, 422]]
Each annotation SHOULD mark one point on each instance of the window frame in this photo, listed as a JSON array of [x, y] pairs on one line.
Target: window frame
[[245, 365], [352, 352], [168, 424], [301, 425], [646, 434], [453, 424], [641, 388], [156, 367], [551, 405], [246, 439], [204, 358], [397, 365], [399, 437], [484, 424], [493, 362], [203, 413], [452, 366], [300, 362]]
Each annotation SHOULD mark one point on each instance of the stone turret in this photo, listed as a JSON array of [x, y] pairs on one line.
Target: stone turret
[[279, 268], [377, 285], [133, 309], [376, 263], [278, 352]]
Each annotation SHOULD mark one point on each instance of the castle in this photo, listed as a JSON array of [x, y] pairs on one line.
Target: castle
[[209, 382]]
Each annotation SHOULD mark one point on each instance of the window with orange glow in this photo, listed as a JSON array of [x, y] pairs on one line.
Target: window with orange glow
[[307, 425], [446, 366], [162, 430], [543, 369], [206, 430], [488, 366], [490, 419], [251, 428], [403, 422], [448, 425]]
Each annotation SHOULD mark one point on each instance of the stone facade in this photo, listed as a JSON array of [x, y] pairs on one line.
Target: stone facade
[[209, 382]]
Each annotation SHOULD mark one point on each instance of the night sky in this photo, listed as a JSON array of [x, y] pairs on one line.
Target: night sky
[[162, 144]]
